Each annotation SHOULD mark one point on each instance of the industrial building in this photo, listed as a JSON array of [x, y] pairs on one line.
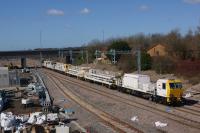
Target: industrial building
[[4, 77]]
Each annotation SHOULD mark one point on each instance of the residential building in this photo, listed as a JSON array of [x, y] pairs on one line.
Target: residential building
[[157, 50]]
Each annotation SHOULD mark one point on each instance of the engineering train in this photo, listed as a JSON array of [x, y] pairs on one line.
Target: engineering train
[[167, 91]]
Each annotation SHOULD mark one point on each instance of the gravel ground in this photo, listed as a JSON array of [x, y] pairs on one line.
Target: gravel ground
[[125, 112], [99, 128], [82, 116], [16, 107], [195, 92]]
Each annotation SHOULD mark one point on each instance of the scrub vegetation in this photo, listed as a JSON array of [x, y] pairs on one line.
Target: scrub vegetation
[[182, 58]]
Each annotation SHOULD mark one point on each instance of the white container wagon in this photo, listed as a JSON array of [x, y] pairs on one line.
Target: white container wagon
[[49, 64], [77, 71], [104, 77], [60, 67], [100, 76], [138, 83]]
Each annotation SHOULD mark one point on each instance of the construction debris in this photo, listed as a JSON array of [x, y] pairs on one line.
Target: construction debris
[[43, 113], [188, 95], [135, 119], [52, 117], [37, 118], [160, 124], [26, 101], [9, 121]]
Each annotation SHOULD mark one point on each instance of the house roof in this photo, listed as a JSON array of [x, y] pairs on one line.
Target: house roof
[[154, 45]]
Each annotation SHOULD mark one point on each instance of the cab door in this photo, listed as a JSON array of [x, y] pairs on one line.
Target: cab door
[[161, 88]]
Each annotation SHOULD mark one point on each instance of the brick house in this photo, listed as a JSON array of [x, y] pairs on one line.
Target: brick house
[[157, 50]]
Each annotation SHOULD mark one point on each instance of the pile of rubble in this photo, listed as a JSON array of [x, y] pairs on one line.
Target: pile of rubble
[[11, 122]]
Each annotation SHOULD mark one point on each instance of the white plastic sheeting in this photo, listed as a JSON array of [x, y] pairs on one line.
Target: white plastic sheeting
[[26, 101], [160, 124], [37, 118], [22, 118], [135, 119], [40, 120], [52, 117], [7, 120], [188, 95], [20, 128]]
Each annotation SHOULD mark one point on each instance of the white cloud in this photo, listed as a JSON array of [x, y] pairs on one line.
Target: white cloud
[[144, 8], [192, 1], [55, 12], [85, 11]]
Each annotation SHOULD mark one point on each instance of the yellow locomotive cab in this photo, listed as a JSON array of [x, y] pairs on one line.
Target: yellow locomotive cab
[[174, 90]]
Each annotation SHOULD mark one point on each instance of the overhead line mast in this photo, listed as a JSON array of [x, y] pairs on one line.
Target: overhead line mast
[[114, 53], [40, 47]]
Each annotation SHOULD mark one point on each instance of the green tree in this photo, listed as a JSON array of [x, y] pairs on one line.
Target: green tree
[[92, 47], [146, 61], [127, 63], [118, 45], [79, 59]]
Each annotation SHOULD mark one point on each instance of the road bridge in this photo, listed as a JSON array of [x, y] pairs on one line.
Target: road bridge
[[36, 52], [39, 54]]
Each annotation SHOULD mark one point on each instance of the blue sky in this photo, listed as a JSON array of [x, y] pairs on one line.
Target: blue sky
[[65, 23]]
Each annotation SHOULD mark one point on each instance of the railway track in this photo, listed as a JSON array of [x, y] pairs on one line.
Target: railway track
[[198, 105], [180, 119], [108, 119], [188, 110]]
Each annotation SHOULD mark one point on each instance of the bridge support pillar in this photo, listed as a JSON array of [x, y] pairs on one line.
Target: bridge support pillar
[[23, 62]]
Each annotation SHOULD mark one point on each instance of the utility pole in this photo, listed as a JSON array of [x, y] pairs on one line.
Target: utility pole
[[40, 47], [87, 56], [139, 61], [71, 56], [103, 36], [59, 54], [82, 55], [97, 54], [62, 54], [113, 51]]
